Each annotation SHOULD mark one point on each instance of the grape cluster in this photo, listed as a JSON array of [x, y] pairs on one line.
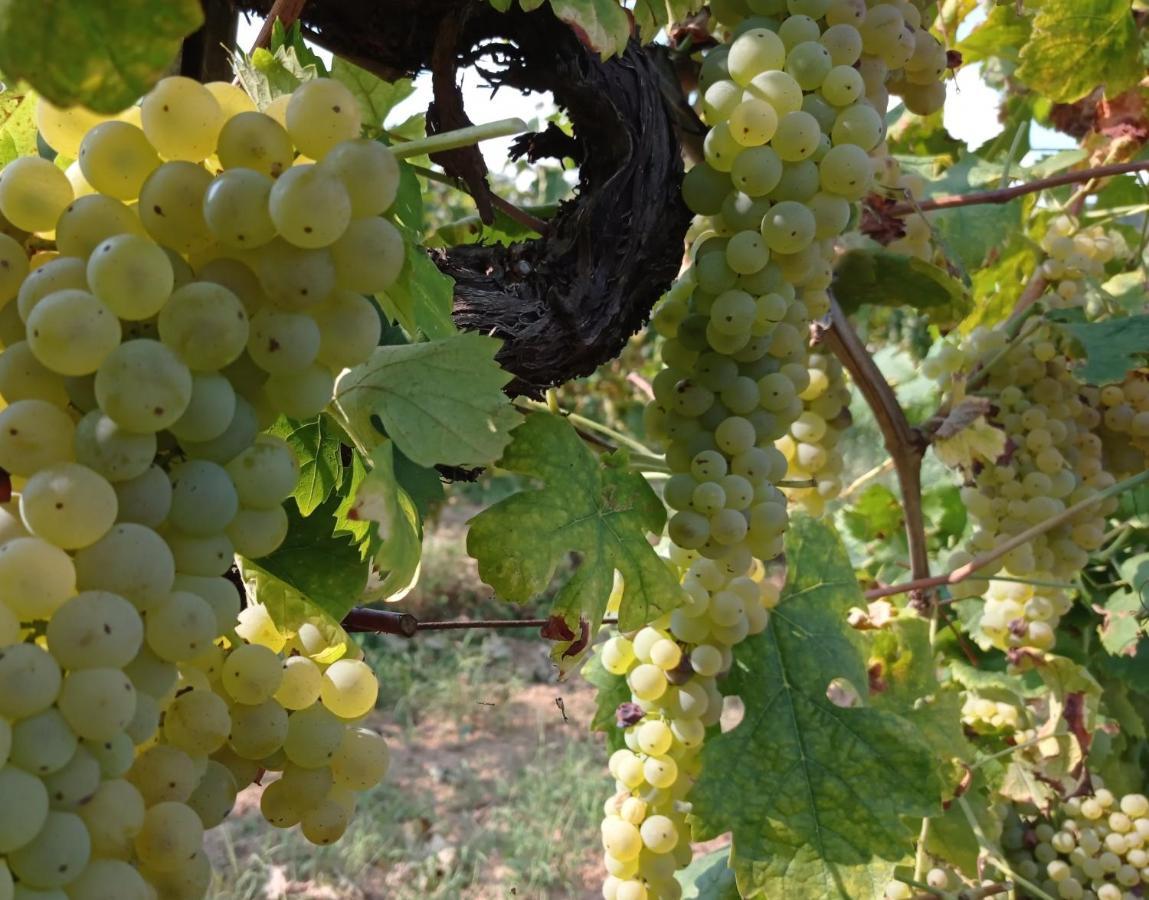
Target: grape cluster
[[1095, 846], [1074, 256], [1124, 428], [1052, 460], [811, 446], [793, 124], [984, 715], [205, 280], [939, 878], [893, 51]]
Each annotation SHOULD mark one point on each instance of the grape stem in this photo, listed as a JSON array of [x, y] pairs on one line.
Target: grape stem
[[961, 573], [1004, 195], [904, 445], [459, 137], [988, 852], [286, 11], [385, 621], [500, 203]]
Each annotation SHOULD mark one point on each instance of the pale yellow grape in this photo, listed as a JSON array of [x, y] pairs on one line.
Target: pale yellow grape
[[303, 394], [110, 450], [654, 737], [621, 839], [171, 206], [180, 628], [259, 731], [349, 330], [97, 703], [797, 136], [844, 43], [116, 159], [308, 786], [660, 771], [188, 882], [265, 474], [163, 772], [301, 684], [24, 810], [114, 755], [325, 823], [90, 220], [659, 834], [369, 256], [181, 119], [313, 737], [170, 835], [753, 52], [361, 761], [72, 332], [74, 784], [847, 171], [277, 109], [62, 273], [95, 629], [64, 129], [279, 807], [617, 654], [309, 207], [144, 499], [132, 561], [665, 654], [321, 113], [349, 688], [210, 410], [295, 279], [256, 625], [109, 879], [68, 505], [35, 577], [778, 89], [143, 386], [131, 275], [204, 499], [114, 816], [258, 532], [369, 172], [688, 732], [647, 681], [40, 744], [57, 854], [283, 342], [256, 141], [214, 796], [205, 324], [843, 85], [33, 193], [252, 674], [34, 434], [151, 676], [232, 99], [14, 268], [236, 209]]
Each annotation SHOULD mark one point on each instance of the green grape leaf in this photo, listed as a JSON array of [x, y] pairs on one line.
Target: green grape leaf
[[997, 285], [1078, 45], [397, 538], [875, 515], [266, 75], [17, 125], [950, 836], [442, 402], [612, 690], [709, 877], [1111, 347], [812, 792], [289, 610], [1121, 623], [325, 568], [318, 448], [422, 484], [376, 97], [104, 55], [882, 278], [586, 505], [652, 15], [603, 25], [1002, 35], [407, 210], [421, 301]]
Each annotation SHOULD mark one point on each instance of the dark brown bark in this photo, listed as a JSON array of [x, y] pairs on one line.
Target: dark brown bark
[[567, 302]]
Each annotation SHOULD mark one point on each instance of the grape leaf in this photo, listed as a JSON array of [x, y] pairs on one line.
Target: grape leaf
[[876, 515], [882, 278], [997, 285], [267, 74], [813, 793], [950, 836], [440, 401], [592, 507], [17, 125], [289, 609], [103, 55], [398, 535], [422, 299], [1120, 628], [1000, 36], [709, 877], [376, 97], [318, 449], [612, 690], [1112, 347], [324, 567], [1077, 45], [603, 25]]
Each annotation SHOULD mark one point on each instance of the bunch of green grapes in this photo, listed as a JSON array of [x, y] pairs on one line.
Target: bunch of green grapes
[[1092, 846], [811, 445], [787, 156], [1051, 459], [1124, 428], [888, 42], [206, 279], [939, 879], [1075, 256], [985, 715]]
